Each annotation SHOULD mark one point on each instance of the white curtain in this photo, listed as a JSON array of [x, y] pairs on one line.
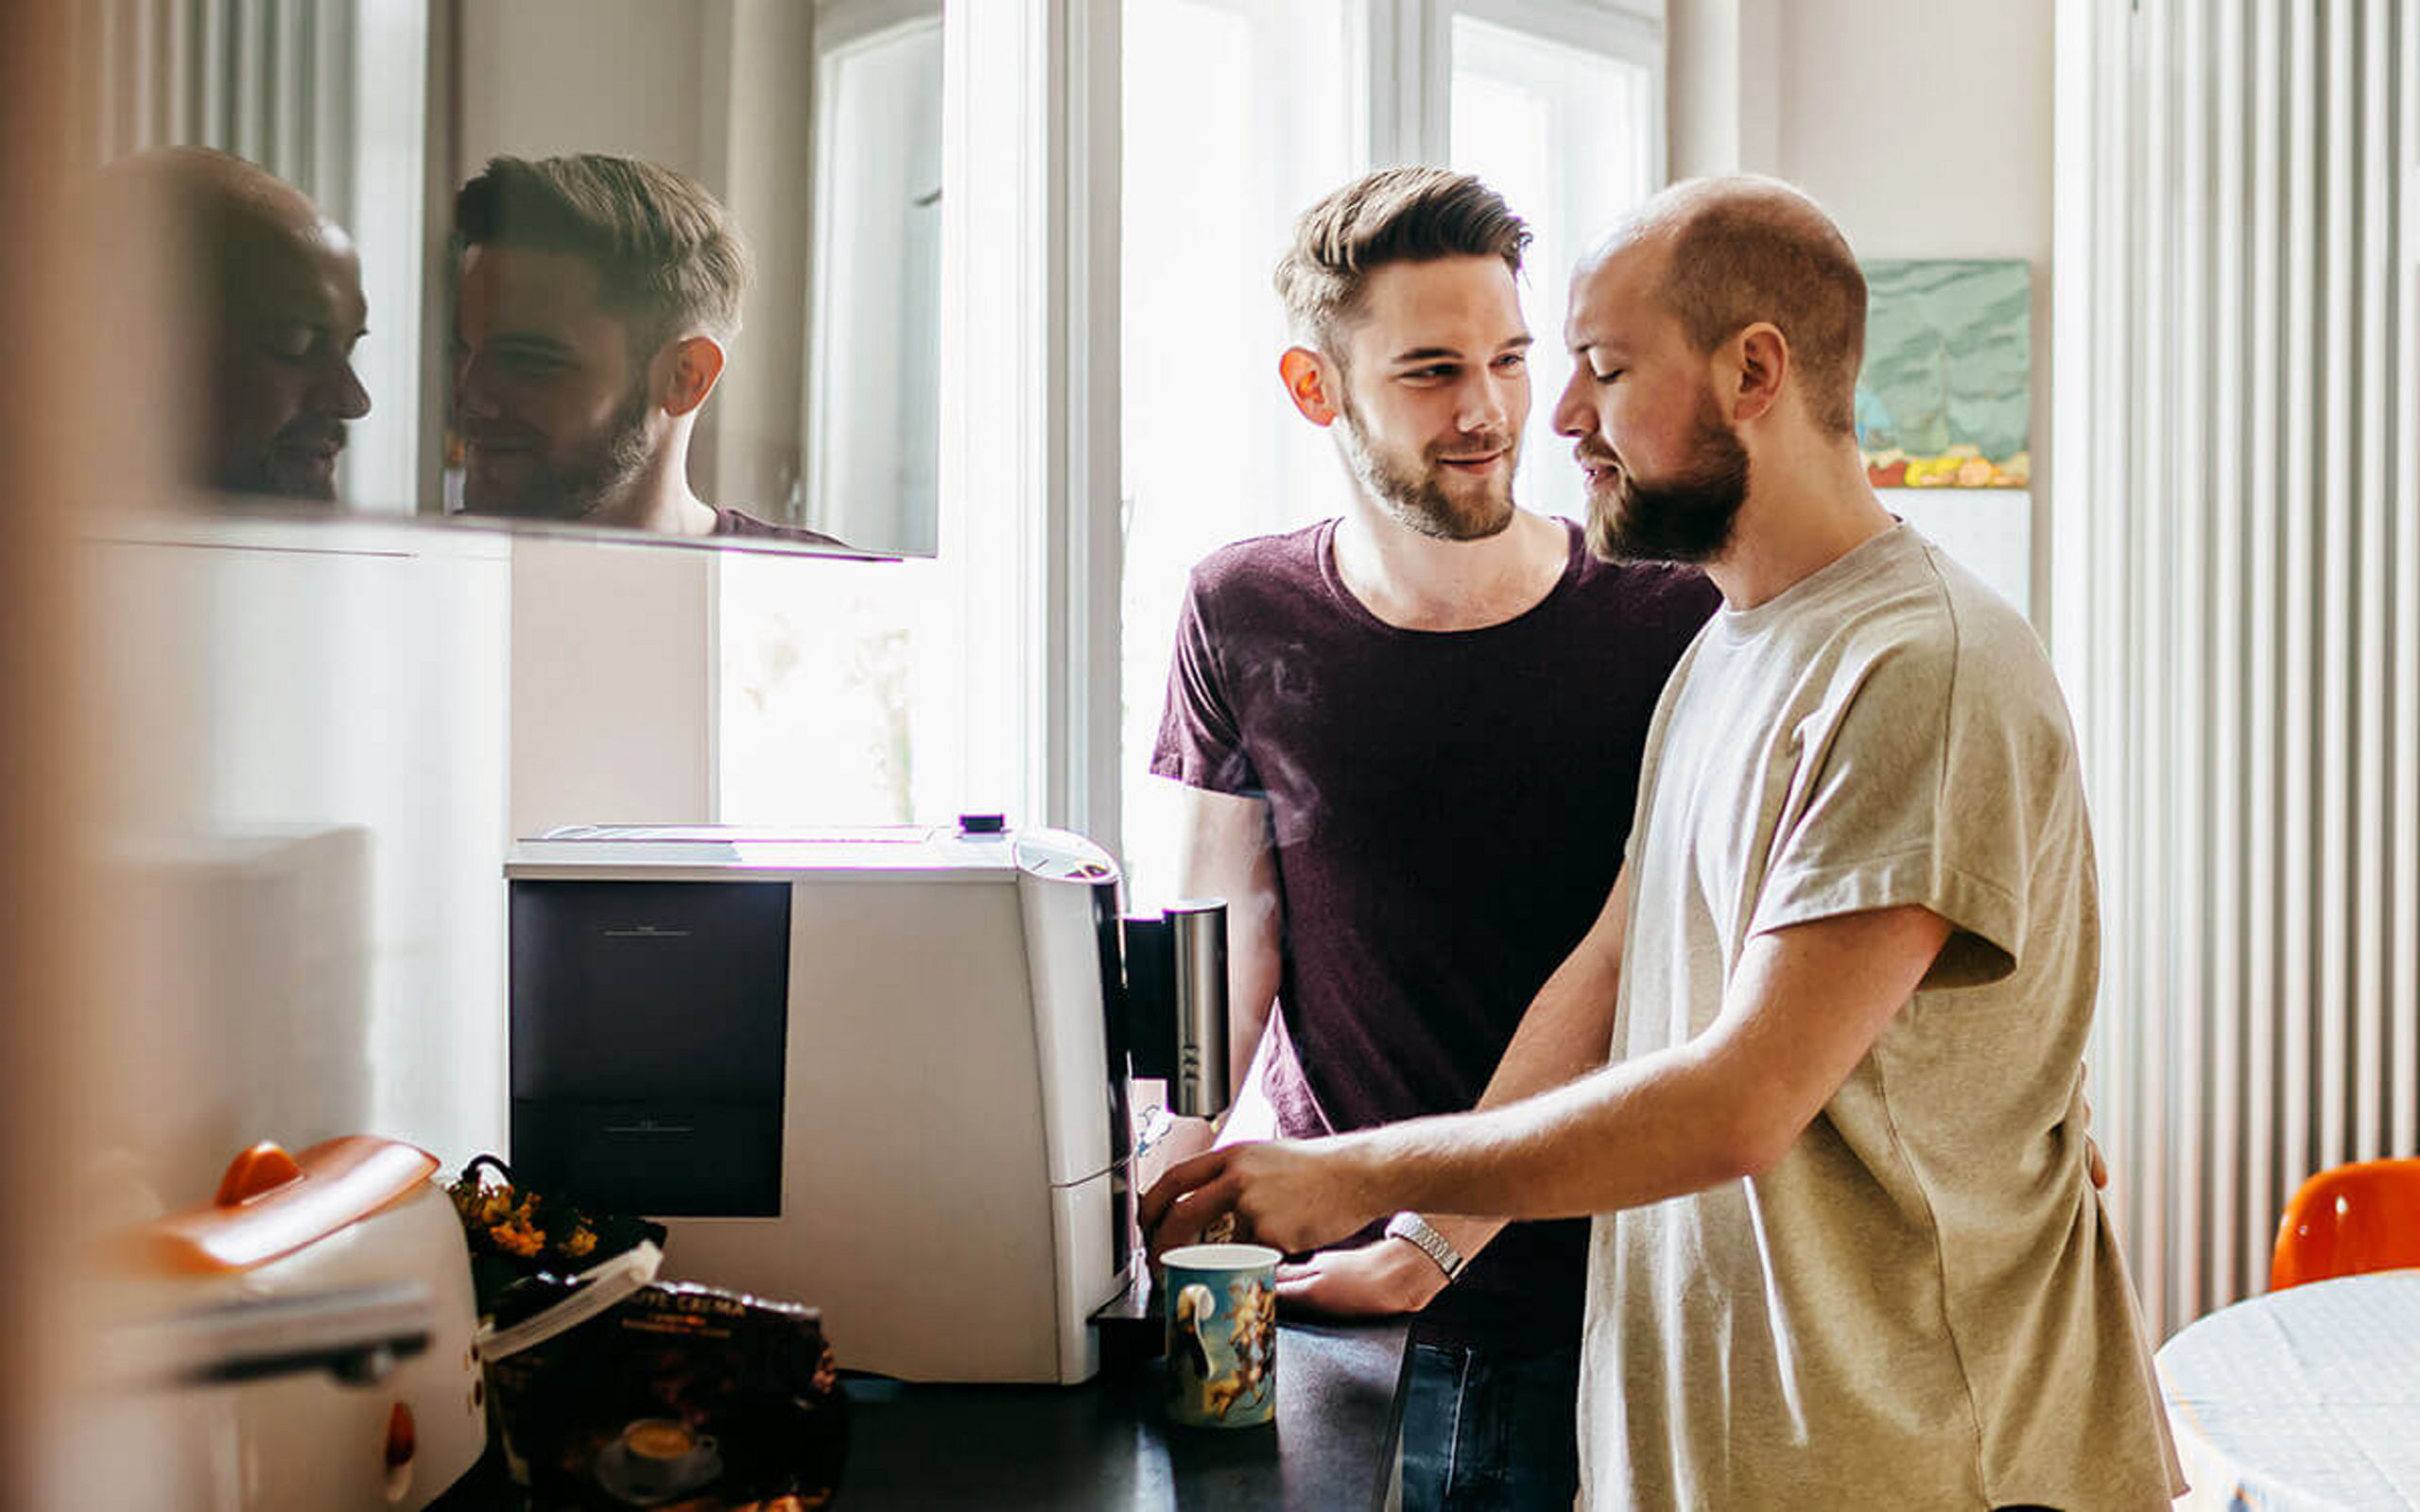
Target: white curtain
[[2236, 600]]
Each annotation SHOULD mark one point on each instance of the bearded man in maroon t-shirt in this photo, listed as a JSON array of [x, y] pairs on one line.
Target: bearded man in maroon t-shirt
[[1409, 740]]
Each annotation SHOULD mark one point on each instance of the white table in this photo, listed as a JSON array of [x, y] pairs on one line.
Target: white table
[[2308, 1397]]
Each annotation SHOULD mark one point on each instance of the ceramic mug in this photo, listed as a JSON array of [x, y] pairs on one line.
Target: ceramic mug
[[1220, 1302]]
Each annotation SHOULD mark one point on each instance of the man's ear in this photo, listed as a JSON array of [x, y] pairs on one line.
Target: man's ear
[[1307, 377], [1763, 356], [692, 365]]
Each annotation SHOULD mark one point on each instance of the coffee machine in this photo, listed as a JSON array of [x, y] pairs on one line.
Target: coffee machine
[[881, 1071]]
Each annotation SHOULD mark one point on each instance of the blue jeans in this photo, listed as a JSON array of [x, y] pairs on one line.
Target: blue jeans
[[1490, 1427]]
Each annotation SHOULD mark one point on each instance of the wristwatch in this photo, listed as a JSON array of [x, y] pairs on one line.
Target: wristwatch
[[1434, 1245]]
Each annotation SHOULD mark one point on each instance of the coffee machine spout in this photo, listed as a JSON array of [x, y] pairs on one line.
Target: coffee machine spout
[[1176, 1003], [1198, 943]]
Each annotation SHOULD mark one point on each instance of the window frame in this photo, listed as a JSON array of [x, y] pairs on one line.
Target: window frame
[[1413, 39], [1406, 94], [1042, 115]]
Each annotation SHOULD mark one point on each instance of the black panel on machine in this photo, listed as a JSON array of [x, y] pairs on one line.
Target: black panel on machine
[[649, 1029]]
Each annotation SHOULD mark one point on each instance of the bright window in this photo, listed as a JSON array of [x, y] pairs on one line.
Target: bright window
[[868, 693], [836, 679], [1240, 114], [855, 691], [1567, 134], [1236, 116]]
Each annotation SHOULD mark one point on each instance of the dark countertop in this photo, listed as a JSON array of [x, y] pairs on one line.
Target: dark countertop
[[1106, 1445]]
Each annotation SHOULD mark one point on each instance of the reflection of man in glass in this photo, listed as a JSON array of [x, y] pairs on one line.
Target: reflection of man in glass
[[598, 300], [271, 289]]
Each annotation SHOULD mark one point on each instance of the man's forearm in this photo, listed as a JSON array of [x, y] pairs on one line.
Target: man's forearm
[[1254, 964], [1622, 1137], [1805, 1005]]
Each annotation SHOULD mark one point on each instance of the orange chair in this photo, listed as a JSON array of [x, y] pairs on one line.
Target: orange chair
[[2349, 1220]]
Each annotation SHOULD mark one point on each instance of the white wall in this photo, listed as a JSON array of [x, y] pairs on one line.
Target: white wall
[[1924, 127], [762, 170], [307, 834], [333, 730], [613, 681], [1703, 72], [544, 76]]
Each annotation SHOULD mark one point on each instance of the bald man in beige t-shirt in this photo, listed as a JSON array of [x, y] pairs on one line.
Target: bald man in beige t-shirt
[[1847, 1252]]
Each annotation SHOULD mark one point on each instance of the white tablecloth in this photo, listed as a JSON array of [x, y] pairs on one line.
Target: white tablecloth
[[2306, 1398]]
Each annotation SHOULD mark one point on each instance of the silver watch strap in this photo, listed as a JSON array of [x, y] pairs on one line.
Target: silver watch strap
[[1414, 1227]]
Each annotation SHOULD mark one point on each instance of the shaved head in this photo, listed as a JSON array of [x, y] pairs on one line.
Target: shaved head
[[224, 214], [1741, 251], [268, 290]]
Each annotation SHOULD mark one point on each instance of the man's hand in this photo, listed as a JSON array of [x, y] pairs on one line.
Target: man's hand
[[1391, 1276], [1293, 1195], [2094, 1166], [1174, 1137]]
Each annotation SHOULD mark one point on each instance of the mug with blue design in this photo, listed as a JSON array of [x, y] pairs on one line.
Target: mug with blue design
[[1220, 1304]]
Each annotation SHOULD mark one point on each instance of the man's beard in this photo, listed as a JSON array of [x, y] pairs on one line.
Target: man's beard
[[300, 463], [602, 470], [1419, 500], [593, 478], [1685, 519]]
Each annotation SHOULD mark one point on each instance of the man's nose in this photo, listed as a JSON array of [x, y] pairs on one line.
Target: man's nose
[[1572, 415], [1484, 405], [471, 398], [343, 396]]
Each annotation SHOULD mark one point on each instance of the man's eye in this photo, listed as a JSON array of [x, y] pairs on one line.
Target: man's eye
[[1512, 361], [1607, 376], [1429, 374], [290, 340]]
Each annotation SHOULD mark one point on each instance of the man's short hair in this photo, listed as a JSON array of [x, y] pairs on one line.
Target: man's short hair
[[670, 257], [1411, 215], [1766, 252]]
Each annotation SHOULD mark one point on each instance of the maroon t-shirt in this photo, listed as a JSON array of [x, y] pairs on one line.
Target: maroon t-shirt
[[740, 523], [1450, 809]]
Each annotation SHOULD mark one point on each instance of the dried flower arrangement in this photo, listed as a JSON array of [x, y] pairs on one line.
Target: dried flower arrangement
[[514, 1232]]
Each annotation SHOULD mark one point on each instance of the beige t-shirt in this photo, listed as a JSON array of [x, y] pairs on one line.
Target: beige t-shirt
[[1921, 1304]]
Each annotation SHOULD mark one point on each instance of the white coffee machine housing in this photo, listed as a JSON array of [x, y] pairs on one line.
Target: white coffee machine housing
[[865, 1070]]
